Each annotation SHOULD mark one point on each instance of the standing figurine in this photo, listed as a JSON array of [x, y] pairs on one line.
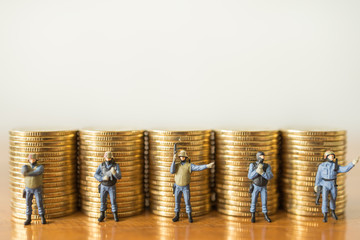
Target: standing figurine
[[33, 175], [182, 171], [325, 181], [107, 174], [260, 173]]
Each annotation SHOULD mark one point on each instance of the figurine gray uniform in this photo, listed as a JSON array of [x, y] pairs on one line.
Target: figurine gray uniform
[[33, 174], [182, 171], [107, 174], [326, 179], [260, 173]]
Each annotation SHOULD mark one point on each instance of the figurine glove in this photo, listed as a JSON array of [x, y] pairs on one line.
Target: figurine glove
[[260, 171], [113, 171], [106, 178], [355, 161], [210, 165], [315, 188]]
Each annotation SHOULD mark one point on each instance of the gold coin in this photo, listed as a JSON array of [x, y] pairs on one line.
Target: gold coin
[[172, 204], [181, 144], [43, 144], [314, 132], [110, 132], [312, 149], [111, 138], [154, 158], [43, 139], [68, 162], [49, 212], [171, 178], [191, 154], [295, 202], [244, 153], [124, 159], [233, 139], [247, 203], [111, 143], [314, 138], [120, 208], [204, 207], [130, 178], [170, 189], [45, 184], [43, 149], [170, 184], [245, 208], [49, 169], [118, 194], [110, 215], [259, 144], [306, 193], [116, 154], [45, 174], [94, 189], [315, 143], [203, 147], [158, 198], [174, 139], [39, 155], [125, 199], [179, 133], [112, 149], [120, 183], [137, 167], [271, 195], [169, 193], [41, 133], [181, 214], [246, 133]]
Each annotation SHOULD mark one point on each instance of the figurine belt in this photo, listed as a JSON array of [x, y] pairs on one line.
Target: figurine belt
[[325, 179]]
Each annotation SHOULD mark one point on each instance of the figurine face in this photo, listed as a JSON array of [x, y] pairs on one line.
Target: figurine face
[[331, 157], [262, 157], [32, 160], [108, 159], [182, 158]]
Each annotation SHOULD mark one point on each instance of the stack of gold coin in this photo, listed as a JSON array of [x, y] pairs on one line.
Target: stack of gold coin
[[302, 152], [127, 148], [197, 146], [56, 151], [235, 150]]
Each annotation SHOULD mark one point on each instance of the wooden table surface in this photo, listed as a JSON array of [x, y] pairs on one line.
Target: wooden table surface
[[211, 226]]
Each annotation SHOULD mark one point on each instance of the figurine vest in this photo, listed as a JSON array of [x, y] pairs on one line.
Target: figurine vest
[[182, 175], [260, 180], [33, 181], [112, 180]]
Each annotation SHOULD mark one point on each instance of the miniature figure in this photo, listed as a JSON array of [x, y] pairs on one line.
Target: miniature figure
[[325, 181], [260, 173], [182, 171], [33, 175], [107, 174]]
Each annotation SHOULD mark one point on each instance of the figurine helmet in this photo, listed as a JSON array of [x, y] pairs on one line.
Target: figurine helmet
[[183, 154], [327, 153], [258, 154], [108, 155], [32, 156]]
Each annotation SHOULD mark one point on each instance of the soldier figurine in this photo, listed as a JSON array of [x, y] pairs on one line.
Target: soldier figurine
[[182, 171], [107, 174], [326, 179], [33, 174], [260, 173]]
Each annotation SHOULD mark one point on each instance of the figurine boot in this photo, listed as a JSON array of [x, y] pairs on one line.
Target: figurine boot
[[102, 216], [116, 217], [267, 217], [334, 215], [325, 217], [176, 218], [43, 220], [28, 220], [190, 218], [252, 217]]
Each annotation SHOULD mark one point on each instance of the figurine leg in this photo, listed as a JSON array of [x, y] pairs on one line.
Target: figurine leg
[[264, 203], [103, 198], [39, 203], [254, 197], [112, 193], [178, 194], [325, 194], [186, 193], [29, 198], [333, 195]]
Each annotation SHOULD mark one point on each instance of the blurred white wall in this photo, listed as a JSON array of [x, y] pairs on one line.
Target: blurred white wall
[[181, 64]]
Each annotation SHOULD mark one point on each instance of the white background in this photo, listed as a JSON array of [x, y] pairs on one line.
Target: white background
[[181, 64]]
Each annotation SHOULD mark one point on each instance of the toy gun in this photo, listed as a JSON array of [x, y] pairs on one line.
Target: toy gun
[[318, 193], [175, 148]]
